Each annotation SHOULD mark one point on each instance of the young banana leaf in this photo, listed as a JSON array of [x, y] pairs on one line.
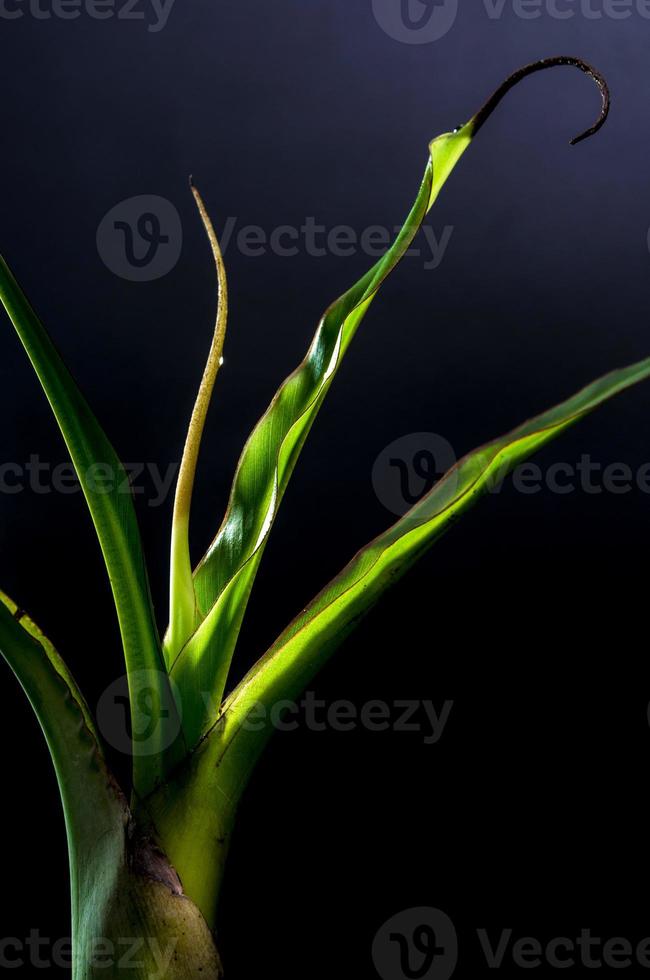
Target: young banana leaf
[[225, 759], [95, 810], [224, 578], [106, 489], [187, 790]]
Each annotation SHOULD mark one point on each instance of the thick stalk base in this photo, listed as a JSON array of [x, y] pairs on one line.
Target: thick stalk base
[[148, 929]]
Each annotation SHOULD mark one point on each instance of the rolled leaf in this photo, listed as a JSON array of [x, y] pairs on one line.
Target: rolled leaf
[[224, 579], [183, 612]]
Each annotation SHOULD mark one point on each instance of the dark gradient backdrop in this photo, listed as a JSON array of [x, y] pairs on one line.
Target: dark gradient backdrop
[[531, 811]]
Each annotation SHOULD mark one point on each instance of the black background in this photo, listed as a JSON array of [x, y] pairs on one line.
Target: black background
[[531, 811]]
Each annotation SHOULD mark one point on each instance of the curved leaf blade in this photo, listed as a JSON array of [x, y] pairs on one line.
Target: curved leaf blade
[[224, 578], [106, 489], [312, 637], [95, 809], [183, 613], [204, 793]]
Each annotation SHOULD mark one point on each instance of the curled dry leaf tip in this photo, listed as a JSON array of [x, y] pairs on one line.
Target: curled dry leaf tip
[[562, 60]]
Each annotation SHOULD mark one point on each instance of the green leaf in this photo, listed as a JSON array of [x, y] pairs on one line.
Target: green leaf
[[95, 810], [122, 888], [300, 652], [194, 812], [183, 612], [224, 579], [106, 489]]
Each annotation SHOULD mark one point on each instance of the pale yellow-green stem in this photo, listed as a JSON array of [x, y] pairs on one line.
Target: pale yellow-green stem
[[182, 613]]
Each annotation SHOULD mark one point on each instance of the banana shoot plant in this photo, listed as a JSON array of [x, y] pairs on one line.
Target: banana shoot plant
[[149, 864]]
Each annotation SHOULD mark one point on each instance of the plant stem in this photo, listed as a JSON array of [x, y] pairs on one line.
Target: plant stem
[[136, 915]]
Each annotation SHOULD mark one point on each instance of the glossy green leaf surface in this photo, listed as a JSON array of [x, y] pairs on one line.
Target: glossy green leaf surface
[[205, 793], [304, 647], [95, 810], [187, 788], [224, 578], [107, 492]]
